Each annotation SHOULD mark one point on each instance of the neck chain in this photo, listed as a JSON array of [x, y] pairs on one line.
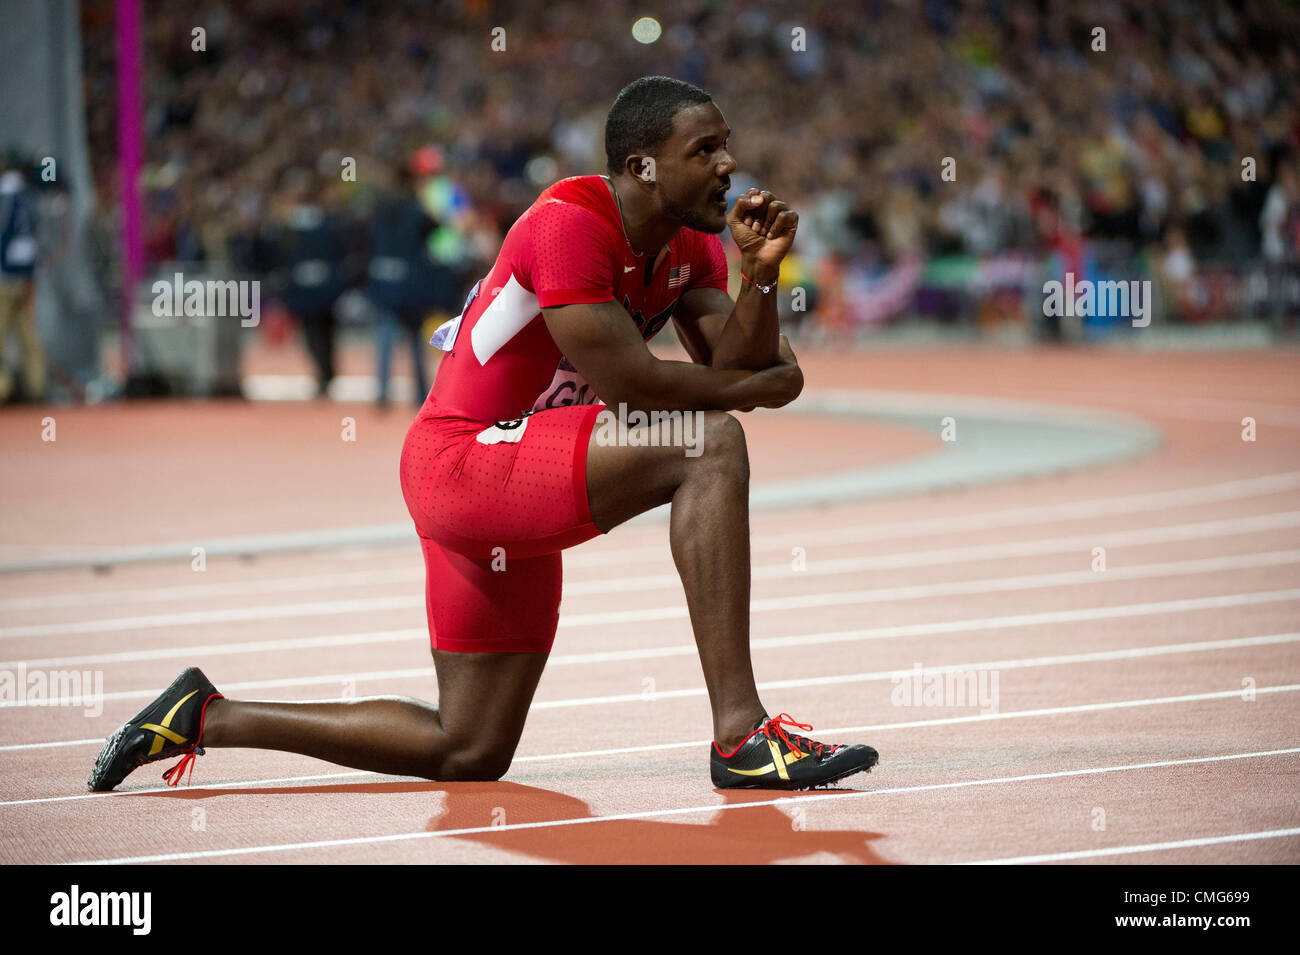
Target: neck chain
[[621, 219]]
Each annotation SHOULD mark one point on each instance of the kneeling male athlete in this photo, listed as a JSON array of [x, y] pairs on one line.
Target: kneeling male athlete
[[505, 454]]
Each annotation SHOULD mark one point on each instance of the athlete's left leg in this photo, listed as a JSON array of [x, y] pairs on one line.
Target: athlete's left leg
[[709, 539], [512, 498], [483, 700]]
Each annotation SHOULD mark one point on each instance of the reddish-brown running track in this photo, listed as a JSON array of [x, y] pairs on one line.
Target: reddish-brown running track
[[1148, 712]]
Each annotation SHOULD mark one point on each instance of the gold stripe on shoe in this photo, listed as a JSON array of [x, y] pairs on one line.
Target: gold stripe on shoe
[[163, 731]]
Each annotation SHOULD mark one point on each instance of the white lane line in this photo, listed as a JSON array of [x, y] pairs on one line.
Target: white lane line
[[228, 615], [700, 744], [681, 811], [12, 747], [824, 567], [833, 598], [229, 649], [767, 643], [1084, 544], [1200, 530], [1057, 512], [336, 580], [840, 598], [349, 774], [1130, 850], [940, 721], [600, 558], [1095, 656]]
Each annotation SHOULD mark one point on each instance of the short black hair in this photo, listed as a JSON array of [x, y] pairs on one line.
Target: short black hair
[[641, 119]]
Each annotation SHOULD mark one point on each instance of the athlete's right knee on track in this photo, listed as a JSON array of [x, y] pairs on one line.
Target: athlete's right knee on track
[[476, 754], [721, 445], [474, 764]]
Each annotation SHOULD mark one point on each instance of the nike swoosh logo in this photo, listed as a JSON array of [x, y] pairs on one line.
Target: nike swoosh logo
[[629, 268]]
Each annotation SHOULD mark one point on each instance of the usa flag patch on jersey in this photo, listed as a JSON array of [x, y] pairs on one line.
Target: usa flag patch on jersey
[[679, 276]]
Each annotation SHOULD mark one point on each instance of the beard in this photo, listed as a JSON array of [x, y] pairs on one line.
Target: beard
[[690, 217]]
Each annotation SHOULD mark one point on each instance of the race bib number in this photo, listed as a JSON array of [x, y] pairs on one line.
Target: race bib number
[[566, 388]]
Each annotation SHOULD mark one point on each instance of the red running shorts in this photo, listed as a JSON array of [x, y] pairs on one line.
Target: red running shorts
[[494, 504]]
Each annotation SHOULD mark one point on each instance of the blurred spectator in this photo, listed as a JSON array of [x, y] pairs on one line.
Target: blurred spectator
[[1177, 272], [1279, 222], [312, 260], [1122, 142], [447, 203], [403, 282], [1280, 219], [18, 257]]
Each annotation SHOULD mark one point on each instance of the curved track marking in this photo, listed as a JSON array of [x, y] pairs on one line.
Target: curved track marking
[[998, 440]]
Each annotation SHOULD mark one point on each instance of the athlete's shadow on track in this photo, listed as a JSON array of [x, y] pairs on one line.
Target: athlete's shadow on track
[[490, 811], [754, 836]]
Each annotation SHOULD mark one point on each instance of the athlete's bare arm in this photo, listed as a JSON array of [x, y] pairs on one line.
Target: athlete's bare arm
[[700, 320], [603, 344], [711, 326], [744, 333]]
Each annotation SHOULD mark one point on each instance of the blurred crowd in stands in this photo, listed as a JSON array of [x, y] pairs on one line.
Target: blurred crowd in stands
[[1165, 144]]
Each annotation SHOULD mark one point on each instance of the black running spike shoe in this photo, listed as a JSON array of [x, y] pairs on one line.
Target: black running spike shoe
[[771, 758], [171, 725]]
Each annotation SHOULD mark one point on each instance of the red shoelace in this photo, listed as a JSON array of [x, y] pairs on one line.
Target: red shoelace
[[773, 726], [173, 775]]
